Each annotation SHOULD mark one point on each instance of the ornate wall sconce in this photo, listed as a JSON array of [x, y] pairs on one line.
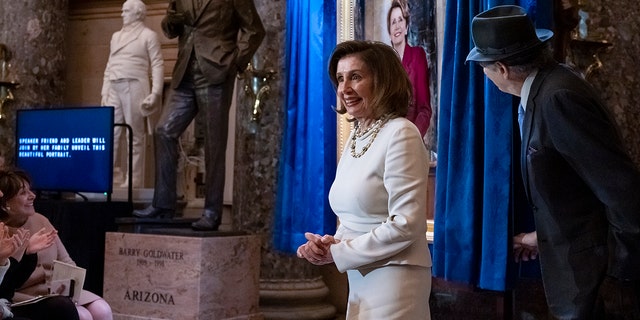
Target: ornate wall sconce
[[584, 55], [257, 88], [5, 84], [584, 47]]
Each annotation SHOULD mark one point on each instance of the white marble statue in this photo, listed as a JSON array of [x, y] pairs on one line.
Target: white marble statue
[[134, 55]]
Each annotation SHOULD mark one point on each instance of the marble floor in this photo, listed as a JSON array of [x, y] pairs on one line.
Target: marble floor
[[455, 301]]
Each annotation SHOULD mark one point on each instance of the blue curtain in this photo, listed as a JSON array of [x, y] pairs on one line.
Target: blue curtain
[[308, 158], [477, 177]]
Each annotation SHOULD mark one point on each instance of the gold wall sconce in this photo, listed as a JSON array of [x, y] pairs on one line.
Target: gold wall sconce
[[6, 85], [585, 55], [257, 88]]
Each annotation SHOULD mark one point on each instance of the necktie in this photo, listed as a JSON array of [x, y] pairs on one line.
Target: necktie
[[520, 118]]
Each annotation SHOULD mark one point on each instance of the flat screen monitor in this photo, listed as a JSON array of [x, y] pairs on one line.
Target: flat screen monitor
[[66, 149]]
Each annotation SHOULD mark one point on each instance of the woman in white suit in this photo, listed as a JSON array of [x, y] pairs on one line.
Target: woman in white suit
[[379, 190]]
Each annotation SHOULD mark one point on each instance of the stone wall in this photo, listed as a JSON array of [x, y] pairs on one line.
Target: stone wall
[[34, 33], [618, 22]]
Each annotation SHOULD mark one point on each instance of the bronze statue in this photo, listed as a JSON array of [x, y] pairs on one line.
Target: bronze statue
[[216, 40]]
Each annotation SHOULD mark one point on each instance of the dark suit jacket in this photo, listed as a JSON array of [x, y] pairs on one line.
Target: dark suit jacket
[[584, 191], [223, 35], [18, 273]]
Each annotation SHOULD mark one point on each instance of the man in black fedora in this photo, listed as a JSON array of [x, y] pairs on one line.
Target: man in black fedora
[[580, 182]]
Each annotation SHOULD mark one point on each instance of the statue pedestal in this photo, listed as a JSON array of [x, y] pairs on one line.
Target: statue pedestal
[[182, 275], [153, 225]]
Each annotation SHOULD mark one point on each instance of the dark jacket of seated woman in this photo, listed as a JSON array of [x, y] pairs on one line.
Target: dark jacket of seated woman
[[52, 308]]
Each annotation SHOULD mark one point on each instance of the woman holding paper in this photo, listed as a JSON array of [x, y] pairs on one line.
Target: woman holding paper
[[18, 212]]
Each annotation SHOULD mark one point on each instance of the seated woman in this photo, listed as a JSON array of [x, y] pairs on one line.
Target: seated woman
[[14, 273], [20, 213]]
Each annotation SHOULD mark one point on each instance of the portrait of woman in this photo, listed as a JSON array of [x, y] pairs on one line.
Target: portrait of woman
[[409, 27], [414, 61]]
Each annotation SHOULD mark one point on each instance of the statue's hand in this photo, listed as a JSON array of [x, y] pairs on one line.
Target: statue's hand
[[148, 105], [150, 100], [175, 18]]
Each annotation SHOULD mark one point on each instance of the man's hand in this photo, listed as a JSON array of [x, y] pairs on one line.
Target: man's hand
[[525, 246]]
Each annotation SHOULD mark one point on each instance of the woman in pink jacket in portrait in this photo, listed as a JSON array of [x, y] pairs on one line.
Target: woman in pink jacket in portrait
[[414, 61]]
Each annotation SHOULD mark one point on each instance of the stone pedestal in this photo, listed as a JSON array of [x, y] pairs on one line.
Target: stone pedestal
[[295, 299], [151, 225], [209, 275]]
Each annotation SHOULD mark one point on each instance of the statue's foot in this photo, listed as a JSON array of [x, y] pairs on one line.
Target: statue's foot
[[153, 212], [209, 221]]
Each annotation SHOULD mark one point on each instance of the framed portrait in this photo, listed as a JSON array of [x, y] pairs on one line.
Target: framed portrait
[[409, 26]]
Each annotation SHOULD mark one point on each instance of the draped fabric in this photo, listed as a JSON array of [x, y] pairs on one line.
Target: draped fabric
[[308, 156], [477, 177]]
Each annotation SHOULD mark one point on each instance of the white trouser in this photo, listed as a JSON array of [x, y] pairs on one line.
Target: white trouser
[[126, 96]]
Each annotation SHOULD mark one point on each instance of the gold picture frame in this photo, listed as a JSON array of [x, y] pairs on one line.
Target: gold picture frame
[[345, 10], [350, 25]]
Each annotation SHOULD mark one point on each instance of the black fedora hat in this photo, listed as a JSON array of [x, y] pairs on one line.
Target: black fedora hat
[[502, 32]]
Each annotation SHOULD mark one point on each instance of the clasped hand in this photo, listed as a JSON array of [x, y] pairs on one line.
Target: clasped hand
[[317, 249]]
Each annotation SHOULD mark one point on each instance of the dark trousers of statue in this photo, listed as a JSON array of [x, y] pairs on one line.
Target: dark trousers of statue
[[194, 95]]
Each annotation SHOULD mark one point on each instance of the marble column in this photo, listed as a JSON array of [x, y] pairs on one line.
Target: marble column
[[289, 287], [33, 31], [618, 79]]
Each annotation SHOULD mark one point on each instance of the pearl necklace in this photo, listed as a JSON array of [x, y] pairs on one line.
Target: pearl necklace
[[375, 128]]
